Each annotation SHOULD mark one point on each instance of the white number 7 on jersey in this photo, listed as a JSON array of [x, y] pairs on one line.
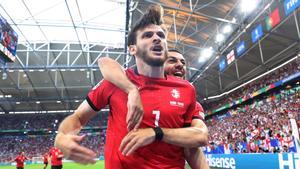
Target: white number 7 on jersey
[[157, 114]]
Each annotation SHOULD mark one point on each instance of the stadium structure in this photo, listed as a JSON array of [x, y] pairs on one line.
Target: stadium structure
[[243, 57]]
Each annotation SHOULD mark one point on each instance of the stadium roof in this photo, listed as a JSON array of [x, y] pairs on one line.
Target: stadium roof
[[61, 40]]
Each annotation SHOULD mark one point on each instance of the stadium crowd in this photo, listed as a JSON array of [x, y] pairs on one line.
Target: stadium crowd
[[39, 121], [279, 74], [263, 126], [36, 146]]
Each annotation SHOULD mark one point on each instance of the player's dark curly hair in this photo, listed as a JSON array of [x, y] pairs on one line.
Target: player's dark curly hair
[[153, 15]]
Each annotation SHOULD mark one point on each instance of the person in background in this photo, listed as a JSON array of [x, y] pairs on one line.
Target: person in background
[[45, 160], [20, 159], [56, 158]]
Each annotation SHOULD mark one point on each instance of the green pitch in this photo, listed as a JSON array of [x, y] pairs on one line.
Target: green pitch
[[98, 165]]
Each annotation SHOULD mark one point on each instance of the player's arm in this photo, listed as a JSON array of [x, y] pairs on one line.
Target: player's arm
[[67, 139], [189, 137], [194, 136], [112, 71], [194, 156]]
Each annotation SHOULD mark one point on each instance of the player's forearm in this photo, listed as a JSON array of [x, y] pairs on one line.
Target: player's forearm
[[112, 71], [70, 125], [195, 158], [186, 137]]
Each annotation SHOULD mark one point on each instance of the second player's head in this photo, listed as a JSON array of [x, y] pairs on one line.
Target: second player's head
[[175, 64], [147, 39]]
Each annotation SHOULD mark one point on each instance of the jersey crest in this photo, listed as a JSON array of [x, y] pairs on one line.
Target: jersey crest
[[175, 93]]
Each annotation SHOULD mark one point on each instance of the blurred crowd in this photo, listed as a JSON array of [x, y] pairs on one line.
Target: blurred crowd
[[36, 146], [279, 74], [38, 121], [261, 127]]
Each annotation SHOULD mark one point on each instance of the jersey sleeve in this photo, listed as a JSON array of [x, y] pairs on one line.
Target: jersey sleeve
[[191, 109], [99, 96], [199, 112]]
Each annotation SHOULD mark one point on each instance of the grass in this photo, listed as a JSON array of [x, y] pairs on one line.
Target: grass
[[98, 165]]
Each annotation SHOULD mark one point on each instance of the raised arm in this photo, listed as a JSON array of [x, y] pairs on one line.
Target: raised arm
[[114, 72], [67, 139]]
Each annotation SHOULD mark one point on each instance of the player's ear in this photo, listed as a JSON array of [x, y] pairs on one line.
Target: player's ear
[[132, 49]]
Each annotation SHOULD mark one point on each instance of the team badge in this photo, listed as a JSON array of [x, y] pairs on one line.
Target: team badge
[[175, 93]]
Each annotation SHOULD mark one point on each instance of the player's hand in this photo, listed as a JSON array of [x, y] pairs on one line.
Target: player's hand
[[135, 109], [69, 145], [136, 139]]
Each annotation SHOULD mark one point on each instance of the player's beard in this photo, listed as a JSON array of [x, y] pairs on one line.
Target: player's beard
[[145, 56]]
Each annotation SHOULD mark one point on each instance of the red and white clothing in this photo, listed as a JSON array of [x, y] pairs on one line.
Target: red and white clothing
[[20, 159], [168, 102], [199, 112], [56, 156], [45, 158]]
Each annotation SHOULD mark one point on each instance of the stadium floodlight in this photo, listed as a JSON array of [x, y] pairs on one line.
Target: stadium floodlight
[[8, 96], [220, 37], [248, 6], [206, 54], [4, 76], [227, 29], [233, 20]]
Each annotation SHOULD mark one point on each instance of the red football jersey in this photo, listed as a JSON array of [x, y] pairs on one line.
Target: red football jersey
[[45, 158], [20, 159], [168, 102], [199, 112], [56, 156]]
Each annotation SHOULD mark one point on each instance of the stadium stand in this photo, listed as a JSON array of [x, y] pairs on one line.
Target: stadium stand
[[261, 127], [273, 77]]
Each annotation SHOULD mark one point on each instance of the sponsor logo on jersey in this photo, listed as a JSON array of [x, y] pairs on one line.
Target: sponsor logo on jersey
[[176, 103]]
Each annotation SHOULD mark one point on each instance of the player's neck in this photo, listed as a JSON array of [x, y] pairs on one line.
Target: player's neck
[[149, 71]]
